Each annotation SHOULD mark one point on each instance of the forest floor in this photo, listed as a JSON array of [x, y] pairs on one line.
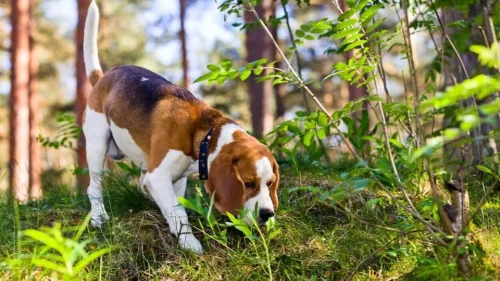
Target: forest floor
[[318, 241]]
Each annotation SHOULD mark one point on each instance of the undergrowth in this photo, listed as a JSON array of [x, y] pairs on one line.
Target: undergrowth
[[317, 240]]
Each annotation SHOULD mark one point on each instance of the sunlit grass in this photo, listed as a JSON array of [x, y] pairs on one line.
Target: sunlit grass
[[316, 241]]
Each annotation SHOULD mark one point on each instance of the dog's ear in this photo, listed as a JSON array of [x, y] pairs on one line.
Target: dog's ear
[[273, 189], [224, 179]]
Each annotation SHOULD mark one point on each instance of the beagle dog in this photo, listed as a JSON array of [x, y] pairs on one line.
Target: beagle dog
[[136, 113]]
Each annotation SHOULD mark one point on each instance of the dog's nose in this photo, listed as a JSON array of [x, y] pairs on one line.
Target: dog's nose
[[265, 214]]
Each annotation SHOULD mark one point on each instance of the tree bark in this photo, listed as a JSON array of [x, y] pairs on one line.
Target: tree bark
[[83, 88], [35, 188], [182, 37], [259, 46], [19, 107]]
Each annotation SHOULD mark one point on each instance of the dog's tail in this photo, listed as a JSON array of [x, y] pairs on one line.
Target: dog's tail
[[90, 51]]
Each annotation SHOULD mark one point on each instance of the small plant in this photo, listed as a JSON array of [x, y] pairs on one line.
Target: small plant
[[55, 253], [252, 230], [67, 132]]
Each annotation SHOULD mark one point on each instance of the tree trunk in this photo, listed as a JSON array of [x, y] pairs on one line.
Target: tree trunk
[[182, 37], [82, 91], [19, 107], [259, 45], [35, 149]]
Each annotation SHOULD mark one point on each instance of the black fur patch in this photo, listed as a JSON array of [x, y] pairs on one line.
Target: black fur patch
[[143, 88]]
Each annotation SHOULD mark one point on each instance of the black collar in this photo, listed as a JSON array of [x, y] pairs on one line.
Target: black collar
[[203, 155]]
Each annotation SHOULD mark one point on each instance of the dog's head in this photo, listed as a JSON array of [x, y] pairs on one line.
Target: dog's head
[[244, 174]]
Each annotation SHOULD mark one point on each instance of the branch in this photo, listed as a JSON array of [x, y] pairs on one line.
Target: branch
[[299, 63]]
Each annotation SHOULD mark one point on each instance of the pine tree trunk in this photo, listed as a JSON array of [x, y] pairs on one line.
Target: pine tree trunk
[[35, 149], [182, 37], [19, 107], [82, 91], [259, 45]]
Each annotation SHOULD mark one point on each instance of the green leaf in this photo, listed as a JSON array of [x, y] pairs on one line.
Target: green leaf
[[309, 37], [301, 113], [258, 70], [484, 169], [346, 32], [347, 14], [300, 33], [374, 25], [310, 124], [207, 76], [43, 263], [354, 45], [214, 68], [323, 132], [82, 227], [186, 203], [90, 258], [369, 13], [45, 239], [227, 64], [346, 24], [245, 74], [305, 27], [396, 143], [351, 39], [241, 226], [308, 138], [323, 119], [274, 233], [469, 122]]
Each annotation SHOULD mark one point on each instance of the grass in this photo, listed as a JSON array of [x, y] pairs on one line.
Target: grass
[[317, 240]]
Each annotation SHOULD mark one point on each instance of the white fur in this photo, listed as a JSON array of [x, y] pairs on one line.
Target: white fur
[[161, 187], [90, 50], [262, 200], [127, 145], [97, 134], [225, 137], [144, 79]]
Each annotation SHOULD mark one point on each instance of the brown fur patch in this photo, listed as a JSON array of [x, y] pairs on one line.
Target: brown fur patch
[[234, 166], [95, 76]]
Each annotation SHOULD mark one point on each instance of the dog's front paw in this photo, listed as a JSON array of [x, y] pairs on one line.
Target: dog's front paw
[[98, 218], [189, 242]]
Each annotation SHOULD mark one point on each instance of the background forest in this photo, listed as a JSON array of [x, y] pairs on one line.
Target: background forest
[[384, 116]]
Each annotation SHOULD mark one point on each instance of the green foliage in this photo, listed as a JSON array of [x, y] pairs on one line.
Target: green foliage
[[225, 71], [489, 57], [67, 132], [53, 252], [250, 230]]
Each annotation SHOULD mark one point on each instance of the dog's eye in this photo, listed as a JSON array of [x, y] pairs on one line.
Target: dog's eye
[[249, 184], [269, 183]]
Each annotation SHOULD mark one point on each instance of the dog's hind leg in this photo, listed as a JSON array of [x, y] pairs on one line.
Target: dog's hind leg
[[97, 135]]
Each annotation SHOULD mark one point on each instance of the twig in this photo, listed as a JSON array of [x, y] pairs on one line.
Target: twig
[[297, 55]]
